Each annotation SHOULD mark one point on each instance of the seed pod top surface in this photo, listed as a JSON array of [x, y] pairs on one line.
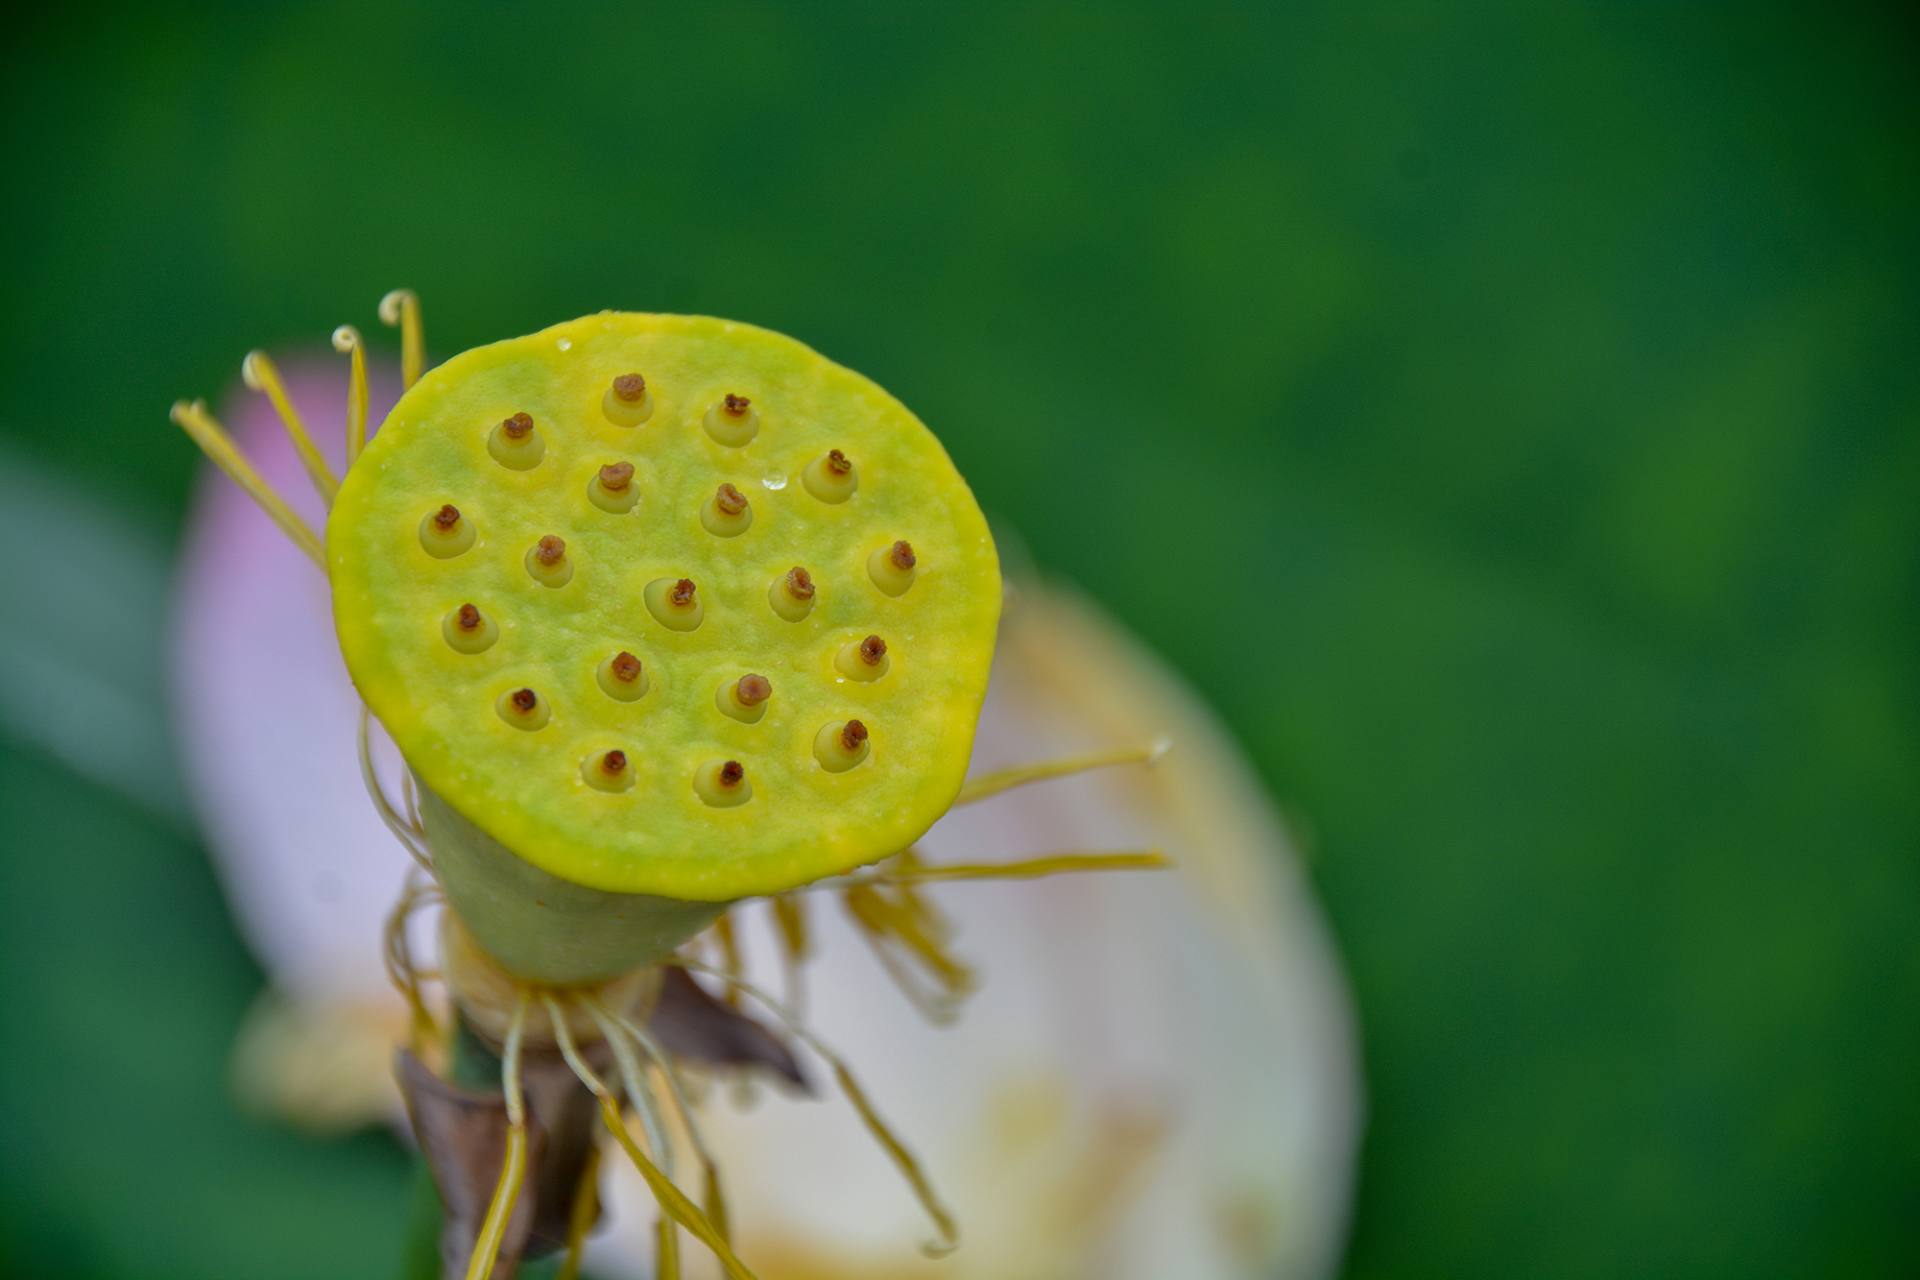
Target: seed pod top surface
[[650, 575]]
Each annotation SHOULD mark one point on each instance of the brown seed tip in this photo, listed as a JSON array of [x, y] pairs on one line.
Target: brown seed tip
[[838, 462], [613, 763], [731, 774], [551, 550], [524, 700], [616, 476], [446, 517], [853, 735], [902, 555], [624, 667], [629, 387], [735, 405], [682, 594], [730, 500], [518, 427], [872, 649], [468, 619], [752, 690], [799, 583]]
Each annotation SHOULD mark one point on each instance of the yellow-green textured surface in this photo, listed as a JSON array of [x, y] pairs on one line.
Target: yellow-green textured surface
[[525, 788]]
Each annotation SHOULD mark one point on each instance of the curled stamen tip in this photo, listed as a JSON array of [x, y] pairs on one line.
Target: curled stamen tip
[[1158, 751], [345, 338], [630, 387], [251, 371], [392, 304], [180, 409]]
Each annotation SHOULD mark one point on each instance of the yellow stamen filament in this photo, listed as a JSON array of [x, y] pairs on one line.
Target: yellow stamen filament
[[214, 441], [409, 836], [513, 1170], [347, 341], [586, 1205], [790, 924], [672, 1201], [885, 918], [1026, 869], [402, 307], [258, 372], [666, 1250], [992, 784], [897, 1151], [422, 1027], [729, 940]]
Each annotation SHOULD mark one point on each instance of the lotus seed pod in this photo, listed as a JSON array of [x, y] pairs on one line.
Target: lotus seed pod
[[598, 777]]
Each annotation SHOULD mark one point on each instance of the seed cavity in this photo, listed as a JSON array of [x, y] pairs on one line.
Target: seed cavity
[[674, 603], [523, 709], [727, 513], [840, 745], [892, 568], [609, 771], [628, 402], [469, 631], [621, 677], [515, 443], [791, 594], [445, 533], [722, 784], [864, 660], [733, 421], [745, 699], [548, 562], [831, 477], [612, 488]]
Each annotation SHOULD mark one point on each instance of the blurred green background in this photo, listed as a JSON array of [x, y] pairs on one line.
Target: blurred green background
[[1508, 415]]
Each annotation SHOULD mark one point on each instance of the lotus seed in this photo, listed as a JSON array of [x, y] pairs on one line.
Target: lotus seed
[[841, 745], [745, 699], [674, 603], [892, 568], [722, 784], [523, 709], [622, 678], [514, 443], [467, 630], [831, 477], [548, 562], [628, 402], [612, 488], [733, 421], [863, 660], [791, 594], [608, 771], [727, 513], [444, 533]]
